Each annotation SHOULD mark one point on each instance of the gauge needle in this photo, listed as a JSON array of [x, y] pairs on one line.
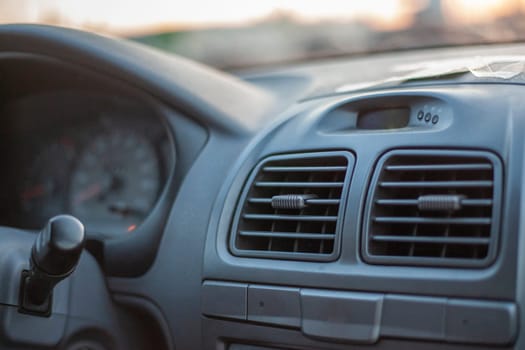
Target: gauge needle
[[88, 193], [124, 209], [33, 192]]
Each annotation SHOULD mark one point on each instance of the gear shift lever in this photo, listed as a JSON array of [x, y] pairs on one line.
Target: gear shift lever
[[54, 256]]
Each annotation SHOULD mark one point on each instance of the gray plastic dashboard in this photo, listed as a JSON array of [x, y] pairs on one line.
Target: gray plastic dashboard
[[184, 274], [421, 298]]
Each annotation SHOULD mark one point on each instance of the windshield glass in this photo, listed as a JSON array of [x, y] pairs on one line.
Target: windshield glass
[[231, 34]]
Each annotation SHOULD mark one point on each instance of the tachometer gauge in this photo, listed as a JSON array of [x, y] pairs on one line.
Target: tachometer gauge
[[43, 192], [115, 182]]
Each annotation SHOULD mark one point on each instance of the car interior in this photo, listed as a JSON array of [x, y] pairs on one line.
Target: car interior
[[150, 201]]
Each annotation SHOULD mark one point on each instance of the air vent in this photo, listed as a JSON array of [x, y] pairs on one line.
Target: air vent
[[433, 208], [292, 207]]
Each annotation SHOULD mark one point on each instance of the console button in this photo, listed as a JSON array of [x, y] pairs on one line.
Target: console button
[[274, 305], [224, 299], [413, 317], [341, 316], [481, 322]]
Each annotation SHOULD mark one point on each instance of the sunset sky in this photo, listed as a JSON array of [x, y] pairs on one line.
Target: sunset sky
[[126, 17]]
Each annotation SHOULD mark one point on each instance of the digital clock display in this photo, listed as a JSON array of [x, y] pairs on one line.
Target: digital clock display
[[380, 119]]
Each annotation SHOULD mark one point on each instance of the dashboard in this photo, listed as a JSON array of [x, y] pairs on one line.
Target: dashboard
[[324, 205]]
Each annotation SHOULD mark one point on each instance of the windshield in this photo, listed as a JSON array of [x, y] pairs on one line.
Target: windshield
[[231, 34]]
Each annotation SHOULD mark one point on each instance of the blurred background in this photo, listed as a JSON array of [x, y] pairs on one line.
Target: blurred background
[[232, 34]]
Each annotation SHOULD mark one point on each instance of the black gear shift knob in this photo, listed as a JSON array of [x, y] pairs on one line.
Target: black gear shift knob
[[54, 256], [57, 248]]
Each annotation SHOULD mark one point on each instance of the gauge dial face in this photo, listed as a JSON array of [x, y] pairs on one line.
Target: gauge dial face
[[115, 182], [44, 190]]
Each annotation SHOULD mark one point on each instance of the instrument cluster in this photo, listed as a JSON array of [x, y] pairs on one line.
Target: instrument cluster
[[106, 164]]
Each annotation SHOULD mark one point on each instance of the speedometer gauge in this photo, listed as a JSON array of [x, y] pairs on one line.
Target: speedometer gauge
[[115, 182]]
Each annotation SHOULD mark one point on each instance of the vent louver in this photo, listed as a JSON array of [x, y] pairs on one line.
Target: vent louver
[[292, 206], [433, 208]]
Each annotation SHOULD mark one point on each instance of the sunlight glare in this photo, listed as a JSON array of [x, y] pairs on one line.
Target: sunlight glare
[[476, 11], [124, 16]]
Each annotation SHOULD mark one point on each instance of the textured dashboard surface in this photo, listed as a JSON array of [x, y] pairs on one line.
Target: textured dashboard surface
[[179, 270]]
